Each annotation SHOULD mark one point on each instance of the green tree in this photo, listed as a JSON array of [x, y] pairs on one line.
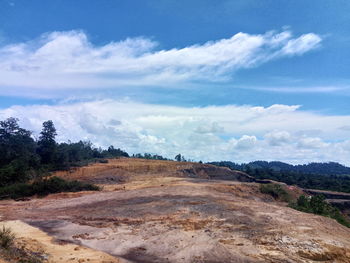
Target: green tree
[[318, 204], [178, 157], [47, 143], [303, 202], [18, 158]]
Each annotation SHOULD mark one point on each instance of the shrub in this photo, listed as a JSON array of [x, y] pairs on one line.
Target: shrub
[[276, 191], [11, 251], [318, 205], [44, 187], [6, 238]]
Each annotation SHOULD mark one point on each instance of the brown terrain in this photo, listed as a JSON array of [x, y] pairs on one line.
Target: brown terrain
[[164, 211]]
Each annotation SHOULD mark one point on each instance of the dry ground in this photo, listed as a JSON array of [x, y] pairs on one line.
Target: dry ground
[[160, 211]]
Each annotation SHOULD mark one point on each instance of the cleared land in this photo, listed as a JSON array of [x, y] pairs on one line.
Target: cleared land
[[163, 211]]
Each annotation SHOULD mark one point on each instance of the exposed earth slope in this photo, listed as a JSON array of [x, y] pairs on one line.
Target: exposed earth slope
[[163, 211]]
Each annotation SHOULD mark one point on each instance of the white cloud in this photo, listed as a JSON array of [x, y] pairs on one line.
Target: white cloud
[[297, 89], [238, 133], [302, 44], [59, 62], [277, 138], [246, 142], [311, 143], [213, 127], [345, 128]]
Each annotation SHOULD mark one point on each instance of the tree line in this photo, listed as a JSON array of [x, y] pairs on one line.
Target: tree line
[[23, 158], [333, 176]]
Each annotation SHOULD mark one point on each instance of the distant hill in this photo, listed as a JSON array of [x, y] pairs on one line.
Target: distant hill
[[329, 168], [324, 176]]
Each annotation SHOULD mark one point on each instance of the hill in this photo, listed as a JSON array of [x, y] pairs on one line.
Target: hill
[[164, 211], [329, 168], [322, 176]]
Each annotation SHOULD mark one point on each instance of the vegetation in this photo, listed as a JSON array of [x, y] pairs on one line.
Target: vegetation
[[22, 158], [317, 205], [330, 168], [44, 187], [181, 158], [309, 204], [13, 252], [18, 159], [6, 237], [149, 156], [299, 176], [276, 191]]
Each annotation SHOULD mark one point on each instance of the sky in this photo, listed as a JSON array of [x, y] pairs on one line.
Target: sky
[[230, 80]]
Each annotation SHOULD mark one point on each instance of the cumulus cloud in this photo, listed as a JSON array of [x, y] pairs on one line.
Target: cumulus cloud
[[213, 127], [246, 142], [60, 61], [277, 138], [229, 132], [311, 143]]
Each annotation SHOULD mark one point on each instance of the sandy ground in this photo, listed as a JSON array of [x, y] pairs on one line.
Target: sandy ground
[[60, 252], [152, 211]]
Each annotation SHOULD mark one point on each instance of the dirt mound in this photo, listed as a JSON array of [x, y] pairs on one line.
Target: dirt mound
[[130, 169], [180, 212]]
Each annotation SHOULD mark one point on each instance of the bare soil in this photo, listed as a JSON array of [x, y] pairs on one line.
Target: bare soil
[[163, 211]]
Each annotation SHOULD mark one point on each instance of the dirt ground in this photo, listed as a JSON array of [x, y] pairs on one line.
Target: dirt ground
[[52, 250], [159, 211]]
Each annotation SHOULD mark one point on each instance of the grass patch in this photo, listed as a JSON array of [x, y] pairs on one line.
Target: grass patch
[[276, 191], [6, 237], [317, 205], [13, 252], [44, 187]]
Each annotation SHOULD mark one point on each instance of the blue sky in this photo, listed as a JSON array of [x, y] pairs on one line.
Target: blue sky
[[179, 56]]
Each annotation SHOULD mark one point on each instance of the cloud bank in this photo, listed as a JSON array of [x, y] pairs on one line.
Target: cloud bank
[[238, 133], [66, 61]]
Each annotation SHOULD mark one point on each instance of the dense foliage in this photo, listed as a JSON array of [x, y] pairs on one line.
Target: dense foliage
[[22, 158], [334, 180], [329, 168], [149, 156], [44, 187], [311, 168]]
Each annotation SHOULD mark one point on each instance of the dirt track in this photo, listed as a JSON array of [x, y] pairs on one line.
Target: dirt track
[[153, 211]]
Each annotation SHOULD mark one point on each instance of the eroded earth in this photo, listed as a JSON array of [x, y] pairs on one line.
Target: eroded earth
[[164, 211]]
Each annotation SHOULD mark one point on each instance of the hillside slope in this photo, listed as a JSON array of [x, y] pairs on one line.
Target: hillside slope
[[162, 211]]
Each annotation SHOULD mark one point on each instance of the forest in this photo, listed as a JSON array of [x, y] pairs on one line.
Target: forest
[[324, 176], [24, 159]]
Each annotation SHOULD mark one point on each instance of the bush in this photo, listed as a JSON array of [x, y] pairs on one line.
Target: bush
[[276, 191], [12, 251], [6, 237], [44, 187]]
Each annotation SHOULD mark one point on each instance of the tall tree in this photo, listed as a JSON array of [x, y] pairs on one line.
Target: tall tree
[[18, 158], [178, 157], [47, 144]]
